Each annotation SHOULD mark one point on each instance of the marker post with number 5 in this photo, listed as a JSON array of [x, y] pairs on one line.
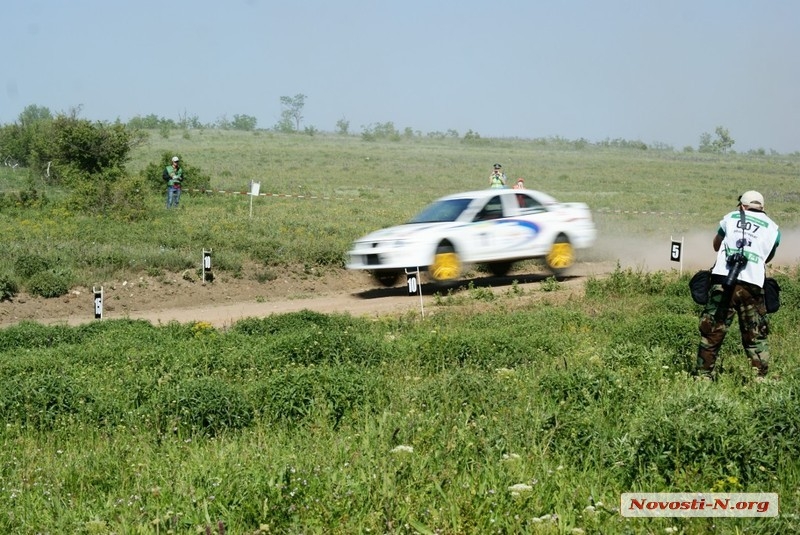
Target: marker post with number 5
[[675, 252]]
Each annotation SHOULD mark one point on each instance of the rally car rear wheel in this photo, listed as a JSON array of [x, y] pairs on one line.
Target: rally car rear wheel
[[561, 256], [446, 264]]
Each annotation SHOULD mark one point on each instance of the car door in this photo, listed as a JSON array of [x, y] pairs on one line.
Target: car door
[[495, 235], [532, 220]]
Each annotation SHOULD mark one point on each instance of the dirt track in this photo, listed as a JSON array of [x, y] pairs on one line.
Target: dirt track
[[227, 300], [223, 303]]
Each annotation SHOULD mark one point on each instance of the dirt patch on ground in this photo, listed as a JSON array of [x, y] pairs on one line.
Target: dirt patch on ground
[[182, 297]]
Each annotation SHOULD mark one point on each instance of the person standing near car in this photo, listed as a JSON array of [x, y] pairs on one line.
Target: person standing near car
[[745, 242], [173, 174], [498, 178]]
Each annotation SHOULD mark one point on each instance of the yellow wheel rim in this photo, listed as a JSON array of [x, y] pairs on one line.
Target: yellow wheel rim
[[446, 266], [561, 256]]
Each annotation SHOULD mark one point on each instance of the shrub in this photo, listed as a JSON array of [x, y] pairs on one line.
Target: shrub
[[317, 345], [90, 147], [39, 398], [288, 396], [294, 394], [349, 388], [294, 322], [110, 192], [28, 264], [25, 198], [777, 419], [127, 201], [205, 405], [50, 283], [582, 387], [633, 358], [8, 288], [477, 392], [790, 291], [321, 253], [694, 432], [265, 251], [582, 410], [677, 334], [627, 282], [104, 256], [32, 335]]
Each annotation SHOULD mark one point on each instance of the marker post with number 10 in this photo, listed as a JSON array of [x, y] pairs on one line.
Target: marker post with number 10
[[415, 286]]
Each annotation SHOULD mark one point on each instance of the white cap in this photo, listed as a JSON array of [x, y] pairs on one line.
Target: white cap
[[174, 158], [753, 199]]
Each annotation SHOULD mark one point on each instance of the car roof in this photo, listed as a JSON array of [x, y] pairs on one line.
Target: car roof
[[491, 192]]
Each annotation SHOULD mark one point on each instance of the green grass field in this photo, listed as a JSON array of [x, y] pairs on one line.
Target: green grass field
[[325, 191], [490, 415]]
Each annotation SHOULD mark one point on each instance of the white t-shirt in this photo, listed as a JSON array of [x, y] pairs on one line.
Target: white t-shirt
[[755, 238]]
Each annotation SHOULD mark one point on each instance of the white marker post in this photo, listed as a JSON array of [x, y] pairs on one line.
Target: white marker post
[[255, 188], [206, 264], [98, 302], [415, 286], [675, 252]]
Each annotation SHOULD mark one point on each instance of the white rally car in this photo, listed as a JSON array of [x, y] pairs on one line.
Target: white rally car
[[496, 227]]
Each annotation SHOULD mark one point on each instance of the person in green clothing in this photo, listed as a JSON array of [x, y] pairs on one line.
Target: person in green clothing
[[173, 174], [498, 178]]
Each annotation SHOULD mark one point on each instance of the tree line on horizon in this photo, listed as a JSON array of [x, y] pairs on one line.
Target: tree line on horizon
[[59, 144]]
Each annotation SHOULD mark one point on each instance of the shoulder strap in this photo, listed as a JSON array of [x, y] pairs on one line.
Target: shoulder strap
[[742, 221]]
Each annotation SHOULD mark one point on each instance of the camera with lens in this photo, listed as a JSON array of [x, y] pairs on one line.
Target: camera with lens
[[735, 263]]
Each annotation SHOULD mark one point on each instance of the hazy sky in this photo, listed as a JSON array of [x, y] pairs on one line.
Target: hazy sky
[[651, 70]]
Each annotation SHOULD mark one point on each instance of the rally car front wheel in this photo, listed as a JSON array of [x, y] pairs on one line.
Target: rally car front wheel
[[561, 256], [446, 264]]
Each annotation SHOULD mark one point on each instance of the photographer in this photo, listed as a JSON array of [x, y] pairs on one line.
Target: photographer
[[498, 178], [173, 175], [745, 242]]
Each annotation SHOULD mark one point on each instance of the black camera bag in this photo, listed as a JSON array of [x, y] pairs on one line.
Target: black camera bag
[[699, 285]]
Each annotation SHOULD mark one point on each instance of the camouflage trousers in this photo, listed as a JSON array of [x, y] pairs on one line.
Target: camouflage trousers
[[747, 301]]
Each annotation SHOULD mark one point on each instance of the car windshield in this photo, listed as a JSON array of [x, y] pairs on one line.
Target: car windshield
[[441, 211]]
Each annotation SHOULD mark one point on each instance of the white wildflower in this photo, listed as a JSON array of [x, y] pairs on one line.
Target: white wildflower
[[520, 487], [403, 449], [510, 457]]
